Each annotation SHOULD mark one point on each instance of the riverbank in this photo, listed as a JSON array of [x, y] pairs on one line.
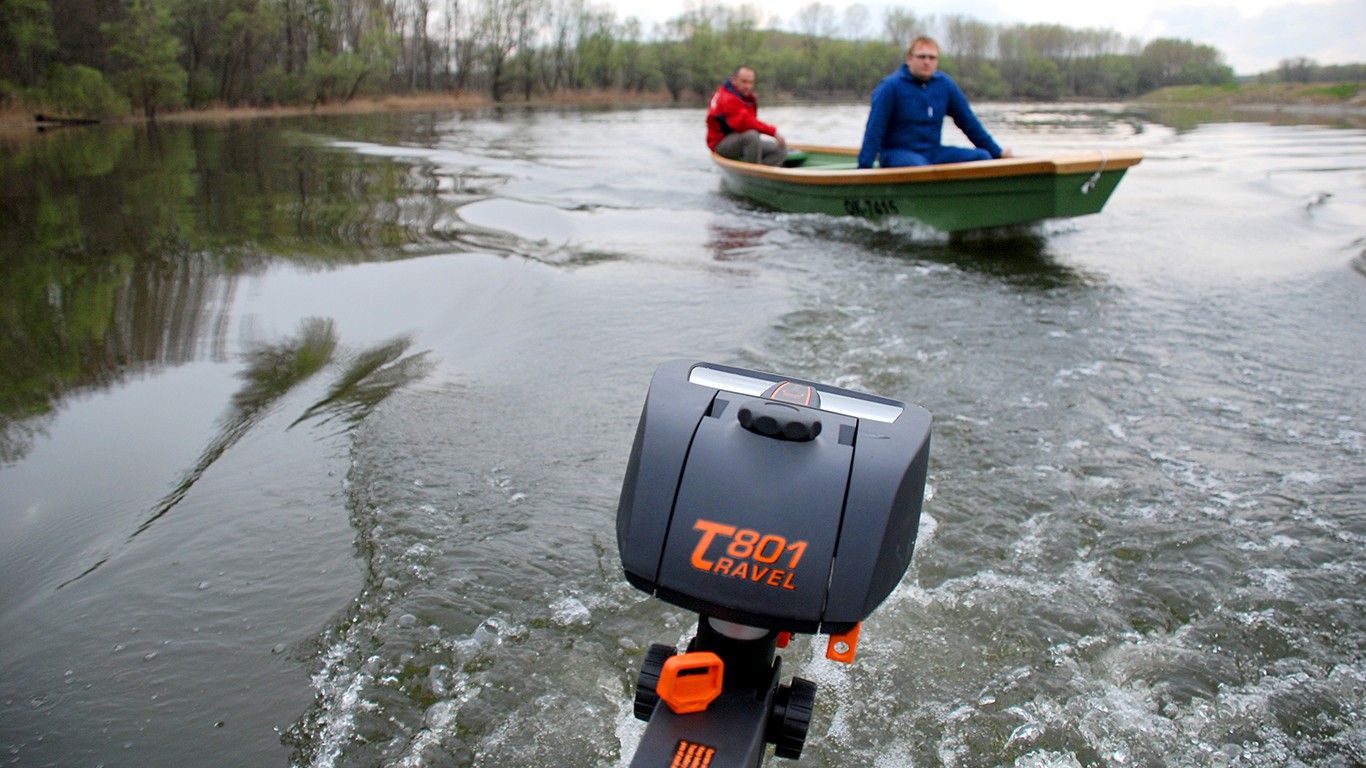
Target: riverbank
[[1323, 99], [1316, 98], [22, 118]]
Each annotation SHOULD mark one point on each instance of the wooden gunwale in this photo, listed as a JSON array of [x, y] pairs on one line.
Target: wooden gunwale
[[1055, 165]]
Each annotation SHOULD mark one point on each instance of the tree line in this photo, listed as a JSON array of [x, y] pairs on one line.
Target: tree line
[[1300, 69], [108, 57]]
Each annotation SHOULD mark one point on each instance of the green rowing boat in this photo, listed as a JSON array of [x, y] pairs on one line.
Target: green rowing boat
[[949, 198]]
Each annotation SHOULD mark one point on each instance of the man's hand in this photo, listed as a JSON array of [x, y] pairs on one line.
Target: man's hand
[[1007, 153]]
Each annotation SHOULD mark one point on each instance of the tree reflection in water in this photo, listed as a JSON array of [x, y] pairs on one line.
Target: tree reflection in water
[[371, 376], [123, 249], [275, 370]]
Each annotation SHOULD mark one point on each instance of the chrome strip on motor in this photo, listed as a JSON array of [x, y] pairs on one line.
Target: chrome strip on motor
[[834, 402]]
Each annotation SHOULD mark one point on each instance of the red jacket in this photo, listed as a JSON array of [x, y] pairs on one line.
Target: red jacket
[[730, 113]]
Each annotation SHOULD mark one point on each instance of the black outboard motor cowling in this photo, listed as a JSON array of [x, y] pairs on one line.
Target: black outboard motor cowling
[[769, 501], [769, 505]]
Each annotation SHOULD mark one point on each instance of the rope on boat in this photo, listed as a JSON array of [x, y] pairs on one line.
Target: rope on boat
[[1090, 183]]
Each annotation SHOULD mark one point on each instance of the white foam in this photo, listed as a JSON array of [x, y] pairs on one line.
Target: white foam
[[339, 689], [569, 611], [1045, 758]]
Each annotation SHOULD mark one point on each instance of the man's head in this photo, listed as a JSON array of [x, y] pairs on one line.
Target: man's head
[[743, 80], [922, 57]]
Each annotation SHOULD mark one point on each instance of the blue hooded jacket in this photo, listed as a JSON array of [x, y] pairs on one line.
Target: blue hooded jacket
[[909, 114]]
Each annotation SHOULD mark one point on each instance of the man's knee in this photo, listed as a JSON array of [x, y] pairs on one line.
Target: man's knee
[[960, 155], [740, 146], [902, 158], [731, 146]]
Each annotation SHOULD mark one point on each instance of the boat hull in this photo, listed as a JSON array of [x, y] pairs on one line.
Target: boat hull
[[949, 198]]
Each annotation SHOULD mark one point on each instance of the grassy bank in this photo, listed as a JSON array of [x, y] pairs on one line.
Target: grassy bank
[[1345, 98], [22, 116], [1326, 96]]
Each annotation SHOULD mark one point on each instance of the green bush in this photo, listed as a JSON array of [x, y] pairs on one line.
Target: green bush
[[201, 88], [11, 96], [275, 86], [79, 91], [1341, 92], [987, 84]]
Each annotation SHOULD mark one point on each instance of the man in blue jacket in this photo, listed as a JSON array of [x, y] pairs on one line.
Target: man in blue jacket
[[906, 121]]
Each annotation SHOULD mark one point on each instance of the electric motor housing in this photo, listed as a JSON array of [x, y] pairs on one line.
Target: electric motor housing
[[770, 501]]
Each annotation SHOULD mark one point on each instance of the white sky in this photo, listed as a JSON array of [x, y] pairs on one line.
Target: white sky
[[1253, 35]]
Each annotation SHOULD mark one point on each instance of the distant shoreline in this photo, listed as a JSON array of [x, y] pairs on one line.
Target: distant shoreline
[[1317, 99], [1295, 98], [363, 105]]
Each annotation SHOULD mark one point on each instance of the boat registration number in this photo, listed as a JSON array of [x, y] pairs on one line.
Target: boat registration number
[[864, 206]]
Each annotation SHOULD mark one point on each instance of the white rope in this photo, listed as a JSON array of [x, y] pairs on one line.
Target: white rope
[[1090, 183]]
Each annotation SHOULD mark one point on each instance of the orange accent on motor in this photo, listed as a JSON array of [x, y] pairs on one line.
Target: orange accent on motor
[[692, 755], [850, 642], [709, 531], [784, 638], [690, 682], [787, 392]]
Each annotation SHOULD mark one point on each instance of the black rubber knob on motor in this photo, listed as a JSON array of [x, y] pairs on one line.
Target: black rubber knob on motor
[[779, 420], [646, 694], [791, 718]]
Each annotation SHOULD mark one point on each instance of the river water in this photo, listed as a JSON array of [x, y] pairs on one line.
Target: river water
[[313, 432]]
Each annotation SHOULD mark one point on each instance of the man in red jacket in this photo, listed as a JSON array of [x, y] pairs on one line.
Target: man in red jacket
[[733, 126]]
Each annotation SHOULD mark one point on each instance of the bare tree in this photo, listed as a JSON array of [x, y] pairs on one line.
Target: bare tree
[[530, 18], [968, 40], [900, 26], [565, 45], [816, 20], [464, 44], [856, 22], [498, 38], [1298, 69]]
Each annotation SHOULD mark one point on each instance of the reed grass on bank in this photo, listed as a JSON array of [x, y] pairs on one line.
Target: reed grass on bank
[[20, 115]]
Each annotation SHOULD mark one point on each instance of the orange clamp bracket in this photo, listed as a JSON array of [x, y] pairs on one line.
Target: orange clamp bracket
[[690, 682], [842, 647]]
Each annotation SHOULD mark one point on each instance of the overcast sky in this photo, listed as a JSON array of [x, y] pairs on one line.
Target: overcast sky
[[1253, 35]]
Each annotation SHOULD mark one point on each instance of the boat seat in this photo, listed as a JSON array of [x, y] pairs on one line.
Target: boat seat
[[798, 159]]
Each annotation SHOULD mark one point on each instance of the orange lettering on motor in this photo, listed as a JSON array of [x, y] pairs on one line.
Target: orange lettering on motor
[[709, 531], [753, 556]]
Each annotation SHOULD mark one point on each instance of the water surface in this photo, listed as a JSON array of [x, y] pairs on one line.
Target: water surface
[[313, 433]]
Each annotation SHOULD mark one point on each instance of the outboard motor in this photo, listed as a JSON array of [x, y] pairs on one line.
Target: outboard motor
[[769, 506]]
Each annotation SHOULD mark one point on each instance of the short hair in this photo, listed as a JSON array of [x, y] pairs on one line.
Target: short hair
[[740, 68], [922, 40]]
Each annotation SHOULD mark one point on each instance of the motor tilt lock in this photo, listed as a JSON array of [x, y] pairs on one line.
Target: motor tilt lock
[[770, 506]]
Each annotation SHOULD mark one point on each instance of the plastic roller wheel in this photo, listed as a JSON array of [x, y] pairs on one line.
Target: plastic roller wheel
[[650, 669], [792, 708]]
